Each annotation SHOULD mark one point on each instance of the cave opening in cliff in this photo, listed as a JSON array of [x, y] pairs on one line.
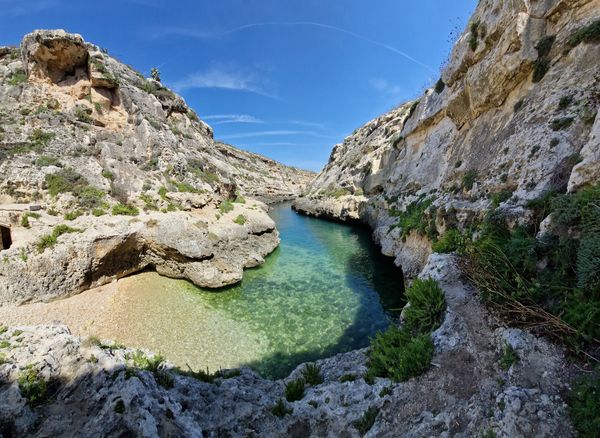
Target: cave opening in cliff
[[6, 237]]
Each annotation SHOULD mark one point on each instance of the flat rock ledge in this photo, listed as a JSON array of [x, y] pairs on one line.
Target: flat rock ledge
[[465, 393], [205, 247]]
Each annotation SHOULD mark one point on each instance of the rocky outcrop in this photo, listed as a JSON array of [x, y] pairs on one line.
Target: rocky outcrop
[[69, 102], [513, 116], [209, 251], [98, 389], [83, 136]]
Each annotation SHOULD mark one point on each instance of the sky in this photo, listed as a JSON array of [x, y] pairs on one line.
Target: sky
[[288, 79]]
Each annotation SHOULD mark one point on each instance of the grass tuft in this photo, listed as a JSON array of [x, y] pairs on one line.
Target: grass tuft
[[366, 422], [312, 374], [294, 390]]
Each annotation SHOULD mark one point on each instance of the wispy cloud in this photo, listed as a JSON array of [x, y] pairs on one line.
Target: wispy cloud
[[384, 86], [220, 119], [227, 77], [272, 133], [13, 8], [204, 34], [307, 124]]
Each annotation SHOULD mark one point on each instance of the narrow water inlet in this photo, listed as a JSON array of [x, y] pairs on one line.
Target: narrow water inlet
[[326, 289]]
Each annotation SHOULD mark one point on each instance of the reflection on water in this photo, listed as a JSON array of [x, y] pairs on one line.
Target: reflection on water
[[325, 290]]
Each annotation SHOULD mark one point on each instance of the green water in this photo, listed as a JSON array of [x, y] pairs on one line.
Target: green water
[[326, 289]]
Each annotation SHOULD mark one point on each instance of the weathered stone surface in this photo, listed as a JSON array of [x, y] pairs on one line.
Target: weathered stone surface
[[464, 393], [196, 246], [490, 121]]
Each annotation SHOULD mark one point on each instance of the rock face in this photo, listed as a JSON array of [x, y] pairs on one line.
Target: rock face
[[466, 393], [81, 136], [65, 104], [196, 246], [513, 115]]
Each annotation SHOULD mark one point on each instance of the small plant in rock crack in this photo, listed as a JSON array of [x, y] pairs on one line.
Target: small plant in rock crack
[[33, 387], [312, 374], [366, 422], [294, 390], [509, 357], [280, 409]]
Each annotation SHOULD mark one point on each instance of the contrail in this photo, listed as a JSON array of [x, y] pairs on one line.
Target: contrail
[[299, 23]]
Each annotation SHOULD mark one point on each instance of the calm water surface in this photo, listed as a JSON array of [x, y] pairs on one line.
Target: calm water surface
[[325, 290]]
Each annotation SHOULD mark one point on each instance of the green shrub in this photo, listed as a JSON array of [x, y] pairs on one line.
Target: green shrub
[[40, 138], [280, 409], [498, 198], [403, 353], [17, 78], [143, 362], [184, 187], [25, 221], [312, 374], [226, 206], [584, 405], [97, 212], [509, 357], [564, 102], [451, 241], [49, 240], [427, 305], [542, 63], [294, 390], [32, 386], [561, 123], [72, 215], [201, 375], [474, 36], [119, 407], [125, 210], [348, 378], [108, 175], [552, 282], [44, 161], [240, 219], [468, 179], [399, 355], [162, 192], [588, 34], [81, 114], [413, 218], [90, 197], [366, 422], [518, 105], [544, 45], [66, 180], [150, 203]]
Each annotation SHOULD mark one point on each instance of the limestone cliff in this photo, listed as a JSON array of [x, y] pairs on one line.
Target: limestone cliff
[[86, 143], [513, 116]]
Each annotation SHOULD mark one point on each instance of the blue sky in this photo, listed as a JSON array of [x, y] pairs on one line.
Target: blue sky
[[284, 78]]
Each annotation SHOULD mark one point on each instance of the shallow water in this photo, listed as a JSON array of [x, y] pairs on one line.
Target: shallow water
[[325, 290]]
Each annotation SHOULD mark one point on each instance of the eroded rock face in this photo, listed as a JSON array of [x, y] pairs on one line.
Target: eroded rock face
[[492, 129], [54, 55], [126, 135], [465, 392], [195, 246], [94, 135]]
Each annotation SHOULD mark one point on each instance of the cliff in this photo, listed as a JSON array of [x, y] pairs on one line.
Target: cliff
[[513, 116], [105, 172]]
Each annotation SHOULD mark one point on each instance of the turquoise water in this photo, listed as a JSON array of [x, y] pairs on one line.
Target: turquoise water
[[326, 289]]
